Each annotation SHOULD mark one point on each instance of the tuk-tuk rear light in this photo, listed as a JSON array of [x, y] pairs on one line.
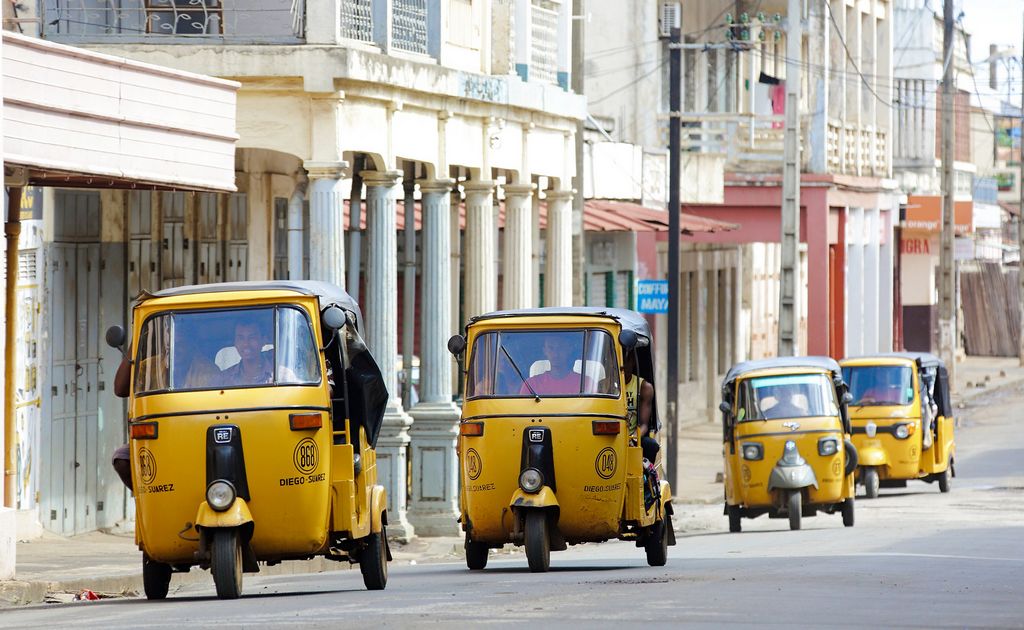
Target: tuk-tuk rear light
[[220, 494], [752, 451], [474, 429], [143, 431], [301, 421], [606, 427]]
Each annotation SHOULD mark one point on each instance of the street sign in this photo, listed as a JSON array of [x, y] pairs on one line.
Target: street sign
[[652, 296]]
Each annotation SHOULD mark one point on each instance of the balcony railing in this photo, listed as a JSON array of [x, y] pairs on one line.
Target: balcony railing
[[409, 25], [854, 150], [357, 20], [748, 142], [126, 21], [544, 41]]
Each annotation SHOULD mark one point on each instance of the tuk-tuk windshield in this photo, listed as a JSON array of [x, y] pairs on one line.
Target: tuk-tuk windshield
[[880, 384], [219, 349], [512, 364], [786, 396]]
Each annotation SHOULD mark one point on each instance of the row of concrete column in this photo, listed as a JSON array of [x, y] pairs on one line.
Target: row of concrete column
[[428, 431]]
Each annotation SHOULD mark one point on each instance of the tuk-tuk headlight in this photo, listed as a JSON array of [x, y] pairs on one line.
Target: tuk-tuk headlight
[[790, 455], [752, 451], [902, 432], [220, 495], [531, 480], [871, 429], [828, 446]]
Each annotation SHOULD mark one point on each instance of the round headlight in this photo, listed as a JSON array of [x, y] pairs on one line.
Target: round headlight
[[752, 452], [902, 432], [530, 480], [871, 429], [790, 446], [220, 495], [827, 447]]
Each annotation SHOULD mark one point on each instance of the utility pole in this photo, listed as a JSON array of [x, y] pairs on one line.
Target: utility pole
[[672, 16], [579, 246], [947, 278], [789, 276], [1020, 213]]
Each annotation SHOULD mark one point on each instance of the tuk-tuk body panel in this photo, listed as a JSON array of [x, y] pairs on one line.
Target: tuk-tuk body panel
[[282, 482], [589, 483], [750, 479]]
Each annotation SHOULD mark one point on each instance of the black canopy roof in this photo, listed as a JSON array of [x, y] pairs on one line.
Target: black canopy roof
[[817, 363], [924, 359], [328, 294], [629, 320]]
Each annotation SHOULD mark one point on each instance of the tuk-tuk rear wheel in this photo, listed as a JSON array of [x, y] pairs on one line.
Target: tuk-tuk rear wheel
[[656, 544], [538, 541], [871, 482], [156, 578], [476, 555], [226, 563], [373, 561], [735, 524], [946, 478], [793, 504]]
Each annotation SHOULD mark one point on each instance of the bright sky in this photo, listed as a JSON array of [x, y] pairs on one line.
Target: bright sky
[[989, 22]]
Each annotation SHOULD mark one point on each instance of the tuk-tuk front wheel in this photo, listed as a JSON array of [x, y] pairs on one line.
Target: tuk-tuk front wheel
[[538, 541], [156, 578], [794, 506], [476, 555], [656, 544], [373, 561], [848, 512], [734, 518], [871, 482], [226, 563]]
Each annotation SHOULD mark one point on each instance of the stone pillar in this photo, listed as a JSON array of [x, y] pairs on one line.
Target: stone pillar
[[435, 489], [481, 288], [296, 268], [558, 271], [381, 306], [326, 222], [518, 267]]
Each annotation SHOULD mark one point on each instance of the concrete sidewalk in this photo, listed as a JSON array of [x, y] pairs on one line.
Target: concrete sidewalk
[[55, 568]]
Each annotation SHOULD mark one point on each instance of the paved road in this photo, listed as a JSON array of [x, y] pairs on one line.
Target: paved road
[[915, 558]]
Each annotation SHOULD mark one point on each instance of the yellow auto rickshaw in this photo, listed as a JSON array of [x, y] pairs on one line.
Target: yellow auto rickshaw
[[552, 441], [902, 420], [786, 440], [253, 415]]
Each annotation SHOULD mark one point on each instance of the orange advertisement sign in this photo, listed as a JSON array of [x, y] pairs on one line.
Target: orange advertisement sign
[[924, 212]]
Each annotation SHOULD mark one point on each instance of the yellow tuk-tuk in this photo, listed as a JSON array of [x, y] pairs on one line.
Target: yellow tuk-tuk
[[253, 415], [786, 440], [547, 454], [902, 420]]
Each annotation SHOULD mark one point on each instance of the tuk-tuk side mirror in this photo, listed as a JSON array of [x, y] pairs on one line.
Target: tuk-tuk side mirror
[[457, 345], [725, 407], [115, 337], [333, 317], [627, 339], [847, 398]]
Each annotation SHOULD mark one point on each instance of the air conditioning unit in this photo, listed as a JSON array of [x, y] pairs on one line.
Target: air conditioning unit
[[671, 17]]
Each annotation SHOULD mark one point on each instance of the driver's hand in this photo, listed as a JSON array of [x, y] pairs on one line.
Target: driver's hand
[[633, 441]]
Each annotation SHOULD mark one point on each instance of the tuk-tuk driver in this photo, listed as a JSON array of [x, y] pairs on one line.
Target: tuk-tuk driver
[[253, 368], [560, 379], [639, 403], [785, 404]]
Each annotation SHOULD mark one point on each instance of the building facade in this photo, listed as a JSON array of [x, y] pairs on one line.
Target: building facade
[[456, 106]]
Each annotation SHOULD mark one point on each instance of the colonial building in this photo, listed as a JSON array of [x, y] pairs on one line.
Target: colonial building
[[460, 107]]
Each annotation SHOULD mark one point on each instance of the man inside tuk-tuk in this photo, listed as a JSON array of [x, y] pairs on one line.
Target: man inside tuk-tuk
[[785, 406], [561, 352], [639, 403]]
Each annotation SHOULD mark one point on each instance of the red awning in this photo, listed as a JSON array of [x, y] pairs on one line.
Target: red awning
[[600, 215]]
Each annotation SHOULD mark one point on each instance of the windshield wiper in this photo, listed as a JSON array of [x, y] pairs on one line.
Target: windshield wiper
[[520, 374]]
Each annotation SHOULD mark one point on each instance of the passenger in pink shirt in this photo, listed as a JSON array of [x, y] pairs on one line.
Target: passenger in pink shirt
[[561, 354]]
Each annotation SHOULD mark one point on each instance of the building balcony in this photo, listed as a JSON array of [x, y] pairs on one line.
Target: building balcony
[[754, 143]]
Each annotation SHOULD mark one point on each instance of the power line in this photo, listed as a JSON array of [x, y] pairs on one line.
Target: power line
[[849, 56]]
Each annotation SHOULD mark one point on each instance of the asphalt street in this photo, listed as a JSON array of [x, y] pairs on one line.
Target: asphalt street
[[916, 558]]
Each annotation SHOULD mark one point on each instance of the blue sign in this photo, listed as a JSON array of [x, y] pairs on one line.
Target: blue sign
[[652, 296]]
